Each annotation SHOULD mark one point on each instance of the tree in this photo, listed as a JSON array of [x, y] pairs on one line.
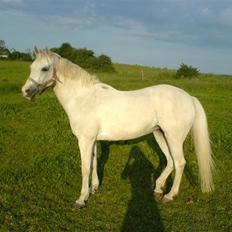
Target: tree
[[16, 55], [2, 44], [105, 63], [82, 57], [187, 71], [3, 48], [66, 51], [85, 58]]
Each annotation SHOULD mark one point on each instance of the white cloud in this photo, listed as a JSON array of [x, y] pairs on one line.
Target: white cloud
[[127, 23], [12, 12], [12, 2], [205, 11], [226, 16]]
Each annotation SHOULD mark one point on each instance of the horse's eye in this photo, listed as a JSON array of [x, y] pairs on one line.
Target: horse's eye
[[45, 69]]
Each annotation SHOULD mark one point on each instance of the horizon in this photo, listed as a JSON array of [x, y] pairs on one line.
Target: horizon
[[132, 64], [152, 33]]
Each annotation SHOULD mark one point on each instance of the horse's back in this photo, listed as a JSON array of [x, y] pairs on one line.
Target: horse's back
[[154, 90], [158, 96]]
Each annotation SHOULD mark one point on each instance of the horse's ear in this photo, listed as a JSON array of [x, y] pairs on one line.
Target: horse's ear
[[47, 51], [37, 51]]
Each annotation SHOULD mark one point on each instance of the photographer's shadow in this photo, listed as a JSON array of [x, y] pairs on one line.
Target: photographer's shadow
[[142, 213]]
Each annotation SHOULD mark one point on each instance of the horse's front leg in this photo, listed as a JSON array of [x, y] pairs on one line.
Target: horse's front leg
[[86, 150], [95, 180]]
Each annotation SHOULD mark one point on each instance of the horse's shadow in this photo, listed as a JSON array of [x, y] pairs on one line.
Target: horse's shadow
[[142, 212], [105, 150]]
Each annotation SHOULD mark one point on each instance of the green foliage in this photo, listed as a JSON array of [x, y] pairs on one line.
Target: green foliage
[[40, 170], [13, 54], [85, 58], [3, 48], [2, 44], [16, 55], [187, 71]]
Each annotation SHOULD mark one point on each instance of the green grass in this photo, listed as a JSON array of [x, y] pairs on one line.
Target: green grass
[[40, 163]]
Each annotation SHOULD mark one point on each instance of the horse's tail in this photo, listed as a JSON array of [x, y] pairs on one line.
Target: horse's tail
[[202, 148]]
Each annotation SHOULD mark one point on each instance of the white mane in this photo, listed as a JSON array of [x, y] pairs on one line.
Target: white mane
[[73, 71]]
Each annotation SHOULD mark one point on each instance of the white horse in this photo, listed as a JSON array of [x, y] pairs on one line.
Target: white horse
[[97, 111]]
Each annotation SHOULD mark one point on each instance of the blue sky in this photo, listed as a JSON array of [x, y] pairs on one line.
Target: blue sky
[[160, 33]]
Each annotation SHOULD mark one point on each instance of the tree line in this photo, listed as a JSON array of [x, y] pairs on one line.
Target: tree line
[[83, 57], [12, 54]]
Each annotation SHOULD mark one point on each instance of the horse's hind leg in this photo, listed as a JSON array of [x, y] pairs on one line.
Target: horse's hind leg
[[160, 182], [176, 148]]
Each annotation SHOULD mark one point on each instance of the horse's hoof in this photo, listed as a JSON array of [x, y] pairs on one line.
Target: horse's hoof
[[158, 195], [166, 199], [79, 205], [92, 190]]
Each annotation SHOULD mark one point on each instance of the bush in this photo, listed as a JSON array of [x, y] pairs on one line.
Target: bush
[[187, 71]]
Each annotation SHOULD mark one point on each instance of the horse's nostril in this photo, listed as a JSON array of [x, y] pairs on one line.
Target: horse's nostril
[[27, 90]]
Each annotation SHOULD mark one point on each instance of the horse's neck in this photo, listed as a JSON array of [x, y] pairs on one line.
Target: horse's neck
[[74, 83], [68, 89], [64, 90]]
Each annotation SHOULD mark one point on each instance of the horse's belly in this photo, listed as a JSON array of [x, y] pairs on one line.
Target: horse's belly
[[126, 130], [122, 135]]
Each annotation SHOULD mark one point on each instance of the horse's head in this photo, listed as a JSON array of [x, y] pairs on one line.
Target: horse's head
[[42, 74]]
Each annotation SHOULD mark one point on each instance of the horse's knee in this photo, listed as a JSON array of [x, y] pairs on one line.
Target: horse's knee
[[180, 164], [170, 165]]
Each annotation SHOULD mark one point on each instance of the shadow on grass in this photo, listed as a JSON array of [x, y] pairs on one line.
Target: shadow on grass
[[142, 212], [105, 149]]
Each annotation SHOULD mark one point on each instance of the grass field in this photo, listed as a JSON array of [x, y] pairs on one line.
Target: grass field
[[40, 163]]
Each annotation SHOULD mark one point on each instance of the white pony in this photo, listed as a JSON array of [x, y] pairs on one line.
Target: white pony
[[97, 111]]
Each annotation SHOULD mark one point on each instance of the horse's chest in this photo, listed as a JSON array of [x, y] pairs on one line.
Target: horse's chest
[[82, 121]]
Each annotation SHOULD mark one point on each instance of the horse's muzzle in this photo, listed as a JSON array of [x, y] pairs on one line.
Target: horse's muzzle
[[30, 92]]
